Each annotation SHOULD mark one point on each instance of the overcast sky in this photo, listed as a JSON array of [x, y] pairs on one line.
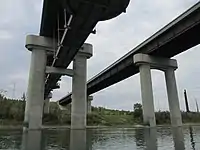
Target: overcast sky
[[114, 38]]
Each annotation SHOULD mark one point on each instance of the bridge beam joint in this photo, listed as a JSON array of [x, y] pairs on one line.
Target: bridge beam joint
[[60, 71]]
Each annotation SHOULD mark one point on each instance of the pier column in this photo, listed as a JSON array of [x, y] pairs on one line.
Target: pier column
[[145, 63], [89, 106], [175, 113], [79, 94], [47, 104], [147, 95], [39, 46]]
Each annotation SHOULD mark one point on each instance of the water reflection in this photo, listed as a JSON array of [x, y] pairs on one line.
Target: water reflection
[[178, 138], [150, 136], [105, 139], [32, 140], [78, 140], [192, 138]]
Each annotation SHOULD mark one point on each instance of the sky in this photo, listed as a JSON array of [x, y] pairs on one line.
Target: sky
[[114, 39]]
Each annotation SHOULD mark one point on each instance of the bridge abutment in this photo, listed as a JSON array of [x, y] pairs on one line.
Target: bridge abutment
[[79, 89], [39, 46], [146, 63]]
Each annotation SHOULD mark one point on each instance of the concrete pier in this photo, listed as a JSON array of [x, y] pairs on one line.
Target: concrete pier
[[147, 95], [146, 63], [89, 106], [79, 94], [47, 104], [35, 94], [175, 113]]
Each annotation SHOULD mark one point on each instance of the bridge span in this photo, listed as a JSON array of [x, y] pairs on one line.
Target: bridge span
[[65, 26], [178, 36]]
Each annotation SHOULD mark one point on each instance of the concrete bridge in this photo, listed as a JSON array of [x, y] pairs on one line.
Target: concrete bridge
[[64, 30], [65, 26]]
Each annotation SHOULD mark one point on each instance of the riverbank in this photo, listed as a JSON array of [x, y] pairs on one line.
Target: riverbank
[[55, 127]]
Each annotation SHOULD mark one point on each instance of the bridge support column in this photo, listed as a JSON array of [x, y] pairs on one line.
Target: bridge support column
[[147, 95], [89, 106], [47, 104], [175, 113], [35, 94], [79, 93], [145, 63]]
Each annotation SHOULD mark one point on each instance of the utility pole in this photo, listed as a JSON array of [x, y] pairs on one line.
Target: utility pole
[[14, 90], [197, 106], [186, 101]]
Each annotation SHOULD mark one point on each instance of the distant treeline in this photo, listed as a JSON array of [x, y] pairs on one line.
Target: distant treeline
[[12, 112]]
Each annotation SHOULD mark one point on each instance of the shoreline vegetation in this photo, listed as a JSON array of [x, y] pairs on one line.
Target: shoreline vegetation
[[12, 115]]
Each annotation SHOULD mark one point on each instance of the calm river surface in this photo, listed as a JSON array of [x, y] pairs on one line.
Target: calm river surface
[[103, 139]]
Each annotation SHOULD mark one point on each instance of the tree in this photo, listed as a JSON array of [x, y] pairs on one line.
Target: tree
[[138, 111]]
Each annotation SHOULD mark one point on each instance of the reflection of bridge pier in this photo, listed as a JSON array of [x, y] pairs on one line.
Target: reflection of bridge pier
[[80, 140], [150, 136], [178, 138], [32, 140]]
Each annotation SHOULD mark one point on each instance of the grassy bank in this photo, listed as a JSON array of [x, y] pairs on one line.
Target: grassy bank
[[12, 114]]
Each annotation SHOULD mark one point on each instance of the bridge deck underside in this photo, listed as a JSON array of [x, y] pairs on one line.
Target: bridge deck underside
[[177, 37], [81, 16]]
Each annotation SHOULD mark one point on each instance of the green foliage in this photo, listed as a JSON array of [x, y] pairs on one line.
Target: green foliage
[[11, 109], [12, 113], [138, 112]]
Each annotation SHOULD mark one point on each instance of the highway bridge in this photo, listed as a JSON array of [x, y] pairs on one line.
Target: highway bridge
[[178, 36], [65, 26], [70, 22]]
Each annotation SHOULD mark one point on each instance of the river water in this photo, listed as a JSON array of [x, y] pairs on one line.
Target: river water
[[103, 139]]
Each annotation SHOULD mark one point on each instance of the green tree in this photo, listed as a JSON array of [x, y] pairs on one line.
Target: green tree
[[138, 112]]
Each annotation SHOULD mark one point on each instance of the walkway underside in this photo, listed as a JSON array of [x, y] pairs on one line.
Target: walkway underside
[[175, 38], [70, 22]]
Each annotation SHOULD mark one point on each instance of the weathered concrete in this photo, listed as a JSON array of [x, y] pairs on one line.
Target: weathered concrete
[[89, 106], [150, 137], [178, 138], [53, 70], [79, 100], [47, 104], [78, 140], [147, 95], [145, 63], [175, 113], [155, 62], [35, 93], [32, 140]]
